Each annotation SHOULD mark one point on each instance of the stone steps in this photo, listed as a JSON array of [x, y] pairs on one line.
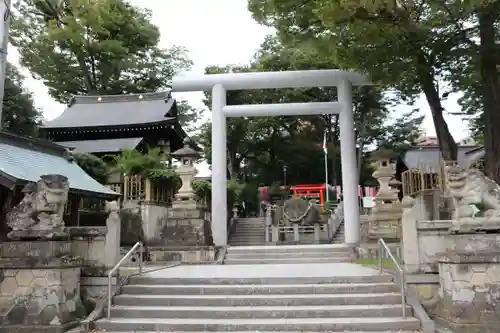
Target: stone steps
[[258, 312], [259, 281], [248, 231], [306, 260], [339, 237], [284, 255], [258, 300], [162, 331], [378, 324], [238, 302], [262, 289], [292, 249], [289, 254]]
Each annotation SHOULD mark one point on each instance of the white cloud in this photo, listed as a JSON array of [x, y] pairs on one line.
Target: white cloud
[[215, 32]]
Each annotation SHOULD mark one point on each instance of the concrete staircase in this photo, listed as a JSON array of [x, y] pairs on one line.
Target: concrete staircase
[[289, 254], [339, 237], [357, 303], [248, 231]]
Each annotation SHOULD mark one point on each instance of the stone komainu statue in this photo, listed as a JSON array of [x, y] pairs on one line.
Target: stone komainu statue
[[473, 194], [42, 207], [301, 211]]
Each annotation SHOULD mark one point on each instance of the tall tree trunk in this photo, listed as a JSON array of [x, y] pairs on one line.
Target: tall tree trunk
[[490, 85], [360, 139], [447, 144]]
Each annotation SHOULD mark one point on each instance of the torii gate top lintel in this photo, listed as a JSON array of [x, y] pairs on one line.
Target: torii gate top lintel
[[268, 80]]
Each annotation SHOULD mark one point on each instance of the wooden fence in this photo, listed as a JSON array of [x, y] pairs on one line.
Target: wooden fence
[[428, 177], [138, 188]]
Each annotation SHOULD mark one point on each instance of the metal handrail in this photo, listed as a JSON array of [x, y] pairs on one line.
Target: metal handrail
[[383, 247], [117, 266]]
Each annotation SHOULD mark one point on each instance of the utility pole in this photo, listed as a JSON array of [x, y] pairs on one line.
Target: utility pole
[[4, 43]]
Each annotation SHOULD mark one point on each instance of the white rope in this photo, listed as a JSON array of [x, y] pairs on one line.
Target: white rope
[[300, 218]]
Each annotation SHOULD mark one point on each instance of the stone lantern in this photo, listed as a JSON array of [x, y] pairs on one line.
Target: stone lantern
[[186, 172], [386, 214]]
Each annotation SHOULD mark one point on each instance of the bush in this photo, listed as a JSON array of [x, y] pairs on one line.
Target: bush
[[131, 230], [94, 166]]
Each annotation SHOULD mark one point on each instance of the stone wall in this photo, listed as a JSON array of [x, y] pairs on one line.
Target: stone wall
[[40, 281], [185, 227], [186, 255], [168, 226], [423, 239], [40, 286], [470, 292], [41, 297], [89, 243], [153, 219]]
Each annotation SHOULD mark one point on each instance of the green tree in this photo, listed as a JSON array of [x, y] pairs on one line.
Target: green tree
[[94, 166], [474, 71], [81, 47], [20, 115], [402, 47]]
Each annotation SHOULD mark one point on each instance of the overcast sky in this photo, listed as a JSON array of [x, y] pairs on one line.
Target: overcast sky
[[216, 32]]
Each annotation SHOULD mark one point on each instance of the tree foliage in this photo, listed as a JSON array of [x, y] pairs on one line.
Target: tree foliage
[[106, 47], [19, 114], [94, 166], [402, 47]]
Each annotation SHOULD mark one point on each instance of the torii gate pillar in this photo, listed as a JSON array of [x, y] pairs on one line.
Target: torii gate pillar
[[219, 84]]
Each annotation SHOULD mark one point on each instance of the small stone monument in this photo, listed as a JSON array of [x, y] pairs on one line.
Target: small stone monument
[[186, 171], [385, 219]]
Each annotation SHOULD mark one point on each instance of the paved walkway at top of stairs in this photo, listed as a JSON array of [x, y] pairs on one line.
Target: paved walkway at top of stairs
[[264, 271]]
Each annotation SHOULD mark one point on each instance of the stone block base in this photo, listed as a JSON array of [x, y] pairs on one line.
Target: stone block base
[[467, 225], [43, 298], [186, 255], [184, 227], [466, 328], [470, 291], [36, 328], [39, 287]]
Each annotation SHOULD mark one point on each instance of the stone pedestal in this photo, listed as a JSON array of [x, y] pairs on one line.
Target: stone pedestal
[[470, 291], [186, 226], [185, 236], [39, 287]]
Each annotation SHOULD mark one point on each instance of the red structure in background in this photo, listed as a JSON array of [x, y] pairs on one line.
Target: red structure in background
[[316, 190], [309, 190]]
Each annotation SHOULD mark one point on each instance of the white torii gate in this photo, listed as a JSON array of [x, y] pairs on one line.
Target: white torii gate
[[219, 84]]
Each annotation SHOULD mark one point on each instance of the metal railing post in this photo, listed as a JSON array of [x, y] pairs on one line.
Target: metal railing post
[[380, 249], [384, 248], [117, 266], [141, 252]]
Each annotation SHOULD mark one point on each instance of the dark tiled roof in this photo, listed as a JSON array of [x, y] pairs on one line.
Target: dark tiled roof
[[102, 146], [426, 156], [96, 111], [25, 159]]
